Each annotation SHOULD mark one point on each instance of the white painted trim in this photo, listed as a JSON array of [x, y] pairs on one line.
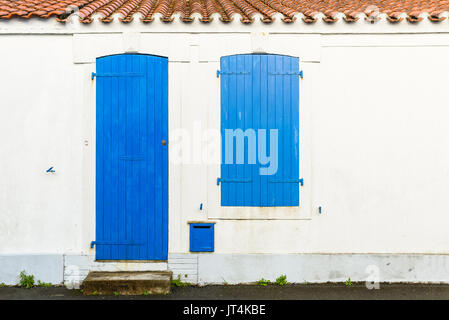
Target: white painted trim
[[88, 105]]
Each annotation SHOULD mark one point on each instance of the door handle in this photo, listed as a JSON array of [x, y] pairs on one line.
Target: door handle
[[164, 142]]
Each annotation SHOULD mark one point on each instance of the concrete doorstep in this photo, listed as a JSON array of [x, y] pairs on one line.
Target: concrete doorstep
[[127, 283]]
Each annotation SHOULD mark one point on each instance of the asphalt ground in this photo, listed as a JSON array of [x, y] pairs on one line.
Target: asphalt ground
[[250, 292]]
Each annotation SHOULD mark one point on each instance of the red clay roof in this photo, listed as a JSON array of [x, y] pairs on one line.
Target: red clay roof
[[31, 8], [225, 8]]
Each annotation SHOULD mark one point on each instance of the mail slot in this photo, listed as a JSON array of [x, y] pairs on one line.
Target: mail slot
[[201, 237]]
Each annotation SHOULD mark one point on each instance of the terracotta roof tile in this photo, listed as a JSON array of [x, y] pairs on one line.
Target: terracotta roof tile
[[34, 8], [395, 10]]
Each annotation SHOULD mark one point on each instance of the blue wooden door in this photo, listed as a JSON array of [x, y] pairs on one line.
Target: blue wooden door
[[131, 158], [260, 102]]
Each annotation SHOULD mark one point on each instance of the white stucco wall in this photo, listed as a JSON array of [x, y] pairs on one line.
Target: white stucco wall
[[40, 127], [373, 132]]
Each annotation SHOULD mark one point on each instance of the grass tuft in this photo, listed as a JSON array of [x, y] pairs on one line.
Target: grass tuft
[[178, 283], [263, 282], [26, 281], [282, 280]]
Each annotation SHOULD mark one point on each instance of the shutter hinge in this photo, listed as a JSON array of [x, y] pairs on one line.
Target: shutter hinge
[[300, 181], [299, 73], [232, 73], [232, 180], [93, 77]]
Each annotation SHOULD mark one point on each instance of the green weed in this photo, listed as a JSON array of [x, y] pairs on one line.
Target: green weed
[[26, 280], [282, 280], [263, 282], [43, 284], [178, 283], [348, 282]]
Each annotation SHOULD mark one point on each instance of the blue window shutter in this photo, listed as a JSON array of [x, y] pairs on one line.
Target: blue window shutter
[[260, 92]]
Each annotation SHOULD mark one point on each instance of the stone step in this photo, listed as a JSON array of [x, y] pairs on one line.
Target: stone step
[[127, 282]]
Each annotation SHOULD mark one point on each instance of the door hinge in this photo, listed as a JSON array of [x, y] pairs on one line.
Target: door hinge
[[123, 74], [232, 180], [300, 181], [123, 243]]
